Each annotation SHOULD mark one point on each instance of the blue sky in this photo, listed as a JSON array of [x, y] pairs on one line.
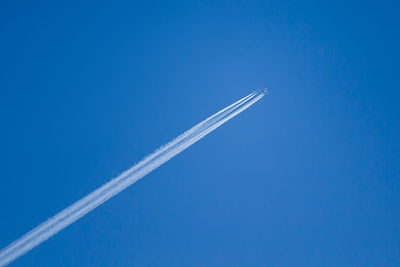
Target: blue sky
[[307, 176]]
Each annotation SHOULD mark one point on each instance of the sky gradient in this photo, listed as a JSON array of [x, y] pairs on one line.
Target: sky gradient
[[309, 176]]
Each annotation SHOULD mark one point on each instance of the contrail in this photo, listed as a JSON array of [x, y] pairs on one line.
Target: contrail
[[116, 185]]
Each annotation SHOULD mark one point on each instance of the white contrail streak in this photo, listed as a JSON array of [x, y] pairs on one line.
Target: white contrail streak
[[116, 185]]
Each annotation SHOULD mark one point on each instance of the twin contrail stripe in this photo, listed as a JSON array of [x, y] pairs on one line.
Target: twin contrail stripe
[[116, 185]]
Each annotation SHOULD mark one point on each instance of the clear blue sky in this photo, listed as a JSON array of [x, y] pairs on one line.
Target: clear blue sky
[[309, 176]]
